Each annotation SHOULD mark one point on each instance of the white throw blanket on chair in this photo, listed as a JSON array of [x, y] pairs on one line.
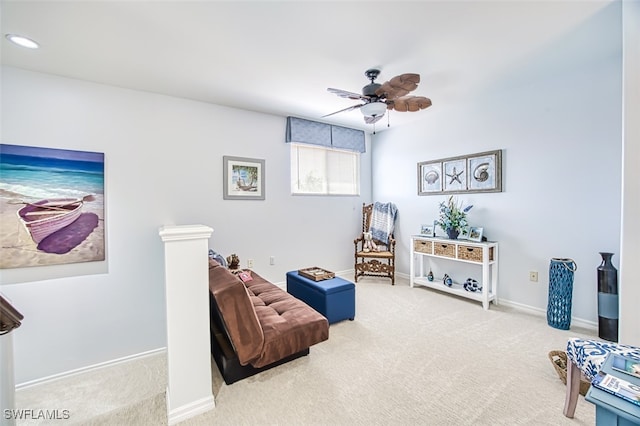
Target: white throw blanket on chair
[[383, 218]]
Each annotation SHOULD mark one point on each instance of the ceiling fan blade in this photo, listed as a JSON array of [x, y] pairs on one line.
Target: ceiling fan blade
[[345, 94], [371, 120], [409, 103], [398, 86], [351, 108]]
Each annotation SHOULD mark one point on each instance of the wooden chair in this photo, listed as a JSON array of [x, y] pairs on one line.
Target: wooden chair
[[374, 263]]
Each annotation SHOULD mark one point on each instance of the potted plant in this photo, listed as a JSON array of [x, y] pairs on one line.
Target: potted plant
[[453, 217]]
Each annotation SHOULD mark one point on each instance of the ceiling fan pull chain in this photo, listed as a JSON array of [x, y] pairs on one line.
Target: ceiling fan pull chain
[[388, 115]]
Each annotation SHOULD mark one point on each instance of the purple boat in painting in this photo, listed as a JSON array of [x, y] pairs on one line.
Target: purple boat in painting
[[45, 217]]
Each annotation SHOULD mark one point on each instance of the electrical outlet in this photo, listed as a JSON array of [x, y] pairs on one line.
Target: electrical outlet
[[272, 260], [249, 263], [533, 276]]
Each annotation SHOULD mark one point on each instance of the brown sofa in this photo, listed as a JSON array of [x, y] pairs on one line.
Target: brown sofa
[[256, 325]]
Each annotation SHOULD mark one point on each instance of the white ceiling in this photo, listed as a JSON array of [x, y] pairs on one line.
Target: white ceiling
[[280, 57]]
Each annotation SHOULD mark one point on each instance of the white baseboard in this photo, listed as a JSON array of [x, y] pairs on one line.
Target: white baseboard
[[189, 410], [578, 322], [93, 367]]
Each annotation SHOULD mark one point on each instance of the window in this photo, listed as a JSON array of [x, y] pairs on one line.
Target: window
[[324, 171]]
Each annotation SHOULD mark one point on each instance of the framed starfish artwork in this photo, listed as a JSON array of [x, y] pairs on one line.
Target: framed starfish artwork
[[479, 172], [455, 175]]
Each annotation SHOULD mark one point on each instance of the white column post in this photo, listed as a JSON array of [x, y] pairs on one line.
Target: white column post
[[7, 380], [189, 389]]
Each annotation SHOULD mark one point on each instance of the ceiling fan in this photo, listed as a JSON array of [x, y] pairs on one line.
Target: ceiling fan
[[390, 95]]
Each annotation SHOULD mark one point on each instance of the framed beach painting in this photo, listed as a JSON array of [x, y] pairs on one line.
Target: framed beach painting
[[51, 206], [243, 178], [428, 230], [475, 233]]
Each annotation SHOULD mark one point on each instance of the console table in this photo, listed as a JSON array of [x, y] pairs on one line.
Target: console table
[[431, 249]]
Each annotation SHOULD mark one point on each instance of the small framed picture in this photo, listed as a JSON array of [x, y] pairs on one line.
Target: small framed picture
[[428, 230], [243, 178], [475, 233], [464, 233]]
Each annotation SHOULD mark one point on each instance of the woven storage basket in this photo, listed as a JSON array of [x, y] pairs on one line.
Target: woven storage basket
[[559, 361], [446, 250], [422, 246], [473, 253]]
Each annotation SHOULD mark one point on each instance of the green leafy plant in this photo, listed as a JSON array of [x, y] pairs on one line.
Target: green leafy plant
[[453, 215]]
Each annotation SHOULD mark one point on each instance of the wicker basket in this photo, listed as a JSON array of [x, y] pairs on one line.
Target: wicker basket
[[471, 253], [445, 250], [422, 246], [559, 361]]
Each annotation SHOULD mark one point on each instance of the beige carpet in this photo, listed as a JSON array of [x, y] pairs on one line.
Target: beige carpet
[[412, 356]]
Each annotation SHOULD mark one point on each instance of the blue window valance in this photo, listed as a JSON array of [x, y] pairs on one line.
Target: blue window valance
[[312, 132]]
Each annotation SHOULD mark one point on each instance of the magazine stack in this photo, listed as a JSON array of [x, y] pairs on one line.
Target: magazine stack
[[616, 384]]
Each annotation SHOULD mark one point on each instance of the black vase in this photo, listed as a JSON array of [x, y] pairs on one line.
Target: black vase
[[453, 233], [607, 299]]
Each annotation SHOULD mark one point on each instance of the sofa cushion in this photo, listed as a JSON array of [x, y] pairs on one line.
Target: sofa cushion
[[239, 316], [288, 324]]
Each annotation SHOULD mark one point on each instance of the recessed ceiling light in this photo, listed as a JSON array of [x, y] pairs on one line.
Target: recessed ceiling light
[[22, 41]]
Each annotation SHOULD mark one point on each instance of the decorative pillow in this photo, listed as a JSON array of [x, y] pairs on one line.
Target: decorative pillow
[[243, 274]]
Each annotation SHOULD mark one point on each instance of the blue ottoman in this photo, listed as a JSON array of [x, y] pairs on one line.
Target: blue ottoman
[[334, 298]]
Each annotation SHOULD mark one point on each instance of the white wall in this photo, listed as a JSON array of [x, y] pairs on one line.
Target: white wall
[[163, 165], [557, 116], [630, 291]]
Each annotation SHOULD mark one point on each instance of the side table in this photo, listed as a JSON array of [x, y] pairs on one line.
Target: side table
[[610, 409]]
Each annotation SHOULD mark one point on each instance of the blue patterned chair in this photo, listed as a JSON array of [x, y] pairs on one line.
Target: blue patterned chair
[[587, 357]]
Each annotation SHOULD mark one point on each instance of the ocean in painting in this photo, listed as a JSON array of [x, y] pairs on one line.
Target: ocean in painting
[[50, 173]]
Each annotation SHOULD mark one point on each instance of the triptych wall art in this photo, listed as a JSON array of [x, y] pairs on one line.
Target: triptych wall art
[[480, 172], [51, 206]]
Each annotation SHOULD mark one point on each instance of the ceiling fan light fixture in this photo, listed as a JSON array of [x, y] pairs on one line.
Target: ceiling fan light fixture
[[373, 109]]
